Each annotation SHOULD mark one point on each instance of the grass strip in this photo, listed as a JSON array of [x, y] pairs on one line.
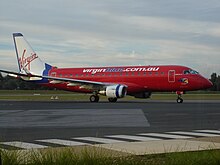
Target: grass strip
[[46, 95], [94, 156]]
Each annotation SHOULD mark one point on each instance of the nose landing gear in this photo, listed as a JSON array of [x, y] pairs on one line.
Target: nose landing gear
[[179, 98]]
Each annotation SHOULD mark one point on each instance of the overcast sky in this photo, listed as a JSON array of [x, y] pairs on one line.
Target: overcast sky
[[78, 33]]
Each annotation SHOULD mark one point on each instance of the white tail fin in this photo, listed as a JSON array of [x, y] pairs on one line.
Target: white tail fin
[[28, 61]]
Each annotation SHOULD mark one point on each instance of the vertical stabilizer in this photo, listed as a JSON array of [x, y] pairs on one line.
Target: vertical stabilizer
[[28, 61]]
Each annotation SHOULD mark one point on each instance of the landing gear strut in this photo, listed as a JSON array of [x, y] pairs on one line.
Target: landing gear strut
[[94, 98], [179, 98]]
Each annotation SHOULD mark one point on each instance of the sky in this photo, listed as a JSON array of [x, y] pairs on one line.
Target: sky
[[80, 33]]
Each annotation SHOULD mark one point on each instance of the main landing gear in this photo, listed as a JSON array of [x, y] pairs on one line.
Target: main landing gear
[[95, 99], [179, 98]]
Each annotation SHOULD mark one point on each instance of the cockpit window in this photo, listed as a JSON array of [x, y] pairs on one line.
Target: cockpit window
[[190, 71], [186, 72], [194, 72]]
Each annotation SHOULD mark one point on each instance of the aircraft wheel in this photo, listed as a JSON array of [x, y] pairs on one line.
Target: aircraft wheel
[[112, 100], [94, 98], [179, 100]]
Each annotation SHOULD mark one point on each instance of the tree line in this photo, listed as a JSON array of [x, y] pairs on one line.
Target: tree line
[[10, 83], [215, 79]]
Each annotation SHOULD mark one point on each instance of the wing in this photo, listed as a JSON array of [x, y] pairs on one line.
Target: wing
[[55, 80], [13, 74]]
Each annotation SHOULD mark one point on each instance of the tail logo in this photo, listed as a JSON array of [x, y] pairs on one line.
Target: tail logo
[[25, 62]]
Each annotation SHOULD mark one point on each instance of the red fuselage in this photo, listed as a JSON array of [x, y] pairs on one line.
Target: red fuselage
[[136, 78]]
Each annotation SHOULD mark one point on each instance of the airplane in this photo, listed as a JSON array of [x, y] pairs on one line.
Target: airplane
[[113, 82]]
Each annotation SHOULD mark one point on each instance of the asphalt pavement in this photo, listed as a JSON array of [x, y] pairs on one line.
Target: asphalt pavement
[[27, 121]]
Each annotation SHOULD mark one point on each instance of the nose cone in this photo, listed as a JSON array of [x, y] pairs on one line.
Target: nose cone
[[207, 84]]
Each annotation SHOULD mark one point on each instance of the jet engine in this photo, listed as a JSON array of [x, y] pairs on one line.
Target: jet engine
[[115, 91]]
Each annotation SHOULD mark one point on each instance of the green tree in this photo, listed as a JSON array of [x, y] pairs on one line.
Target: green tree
[[213, 80], [9, 83], [218, 83], [1, 80]]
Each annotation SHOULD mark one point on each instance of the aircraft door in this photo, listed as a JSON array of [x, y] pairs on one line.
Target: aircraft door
[[171, 76]]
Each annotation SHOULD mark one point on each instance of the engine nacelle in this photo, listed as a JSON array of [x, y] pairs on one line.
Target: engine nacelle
[[115, 91]]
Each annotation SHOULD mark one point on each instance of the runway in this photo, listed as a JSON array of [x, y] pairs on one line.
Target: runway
[[39, 121]]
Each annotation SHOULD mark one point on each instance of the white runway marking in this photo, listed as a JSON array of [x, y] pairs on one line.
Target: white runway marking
[[63, 142], [100, 140], [110, 139], [208, 131], [130, 137], [166, 135], [24, 145], [194, 133]]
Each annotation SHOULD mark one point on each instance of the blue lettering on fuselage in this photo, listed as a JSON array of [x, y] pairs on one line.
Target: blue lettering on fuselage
[[114, 70]]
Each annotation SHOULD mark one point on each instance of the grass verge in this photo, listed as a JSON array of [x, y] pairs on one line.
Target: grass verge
[[69, 156], [41, 95]]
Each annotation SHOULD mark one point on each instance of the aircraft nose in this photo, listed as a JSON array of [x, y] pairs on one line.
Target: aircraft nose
[[208, 84]]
